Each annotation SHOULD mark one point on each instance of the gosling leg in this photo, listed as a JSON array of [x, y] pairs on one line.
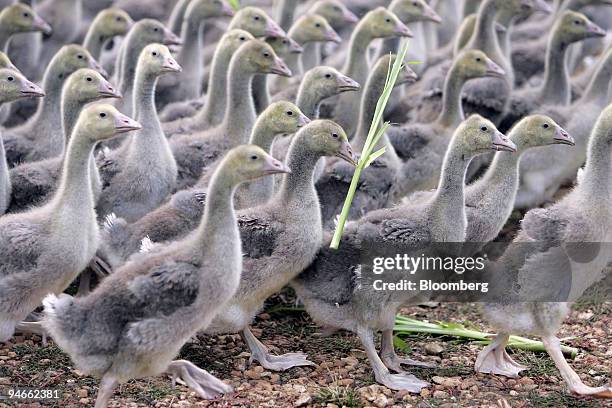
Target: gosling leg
[[392, 360], [261, 353]]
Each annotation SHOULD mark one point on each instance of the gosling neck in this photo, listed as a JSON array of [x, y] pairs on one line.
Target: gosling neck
[[369, 100], [95, 41], [556, 88], [448, 206], [285, 10], [175, 22], [597, 90], [298, 186], [218, 225], [151, 136], [263, 134], [129, 60], [74, 197], [308, 100], [452, 108], [71, 108], [49, 110], [5, 181], [5, 35], [501, 180], [485, 36], [357, 65], [190, 56], [240, 110], [217, 87], [595, 182]]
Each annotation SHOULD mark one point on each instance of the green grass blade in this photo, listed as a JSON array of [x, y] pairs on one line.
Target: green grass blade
[[234, 3]]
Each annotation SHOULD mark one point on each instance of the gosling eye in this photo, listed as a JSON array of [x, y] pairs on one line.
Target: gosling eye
[[26, 14], [256, 18], [10, 79], [414, 3], [118, 18], [328, 76], [266, 54], [546, 126], [156, 29], [154, 53], [290, 113], [89, 79], [318, 25], [388, 20], [102, 115], [285, 42], [577, 22], [254, 157], [242, 38], [478, 59], [335, 135], [484, 128], [80, 56]]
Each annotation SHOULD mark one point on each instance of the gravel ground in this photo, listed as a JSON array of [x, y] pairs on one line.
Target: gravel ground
[[342, 377]]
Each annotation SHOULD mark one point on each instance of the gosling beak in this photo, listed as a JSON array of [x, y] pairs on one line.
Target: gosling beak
[[294, 47], [129, 23], [273, 30], [494, 70], [431, 15], [594, 30], [108, 91], [303, 121], [501, 143], [402, 30], [332, 35], [409, 76], [542, 7], [41, 25], [227, 10], [31, 89], [562, 137], [125, 124], [500, 28], [280, 68], [170, 65], [273, 166], [170, 38], [351, 18], [346, 153], [346, 84], [93, 64]]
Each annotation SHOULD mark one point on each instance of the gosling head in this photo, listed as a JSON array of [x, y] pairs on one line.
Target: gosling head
[[202, 9], [475, 64], [335, 12], [233, 39], [284, 118], [587, 3], [72, 57], [327, 138], [539, 130], [157, 60], [257, 22], [149, 31], [477, 135], [5, 62], [13, 86], [284, 46], [406, 74], [250, 162], [102, 122], [513, 9], [577, 27], [258, 57], [314, 28], [326, 82], [87, 85], [113, 22], [381, 23], [412, 11], [20, 18]]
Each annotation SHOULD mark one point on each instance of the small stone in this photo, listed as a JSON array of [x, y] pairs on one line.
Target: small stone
[[264, 316], [382, 401], [82, 393], [433, 349], [84, 401], [12, 354], [425, 393], [346, 382], [302, 400], [447, 382], [5, 381], [275, 378], [252, 374], [513, 393], [440, 394]]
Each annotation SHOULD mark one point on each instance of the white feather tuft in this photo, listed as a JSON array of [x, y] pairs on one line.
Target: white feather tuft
[[146, 245], [109, 221]]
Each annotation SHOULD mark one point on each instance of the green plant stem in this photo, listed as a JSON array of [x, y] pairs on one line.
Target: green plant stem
[[347, 205]]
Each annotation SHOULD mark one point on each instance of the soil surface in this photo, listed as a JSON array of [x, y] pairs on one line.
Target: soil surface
[[341, 377]]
